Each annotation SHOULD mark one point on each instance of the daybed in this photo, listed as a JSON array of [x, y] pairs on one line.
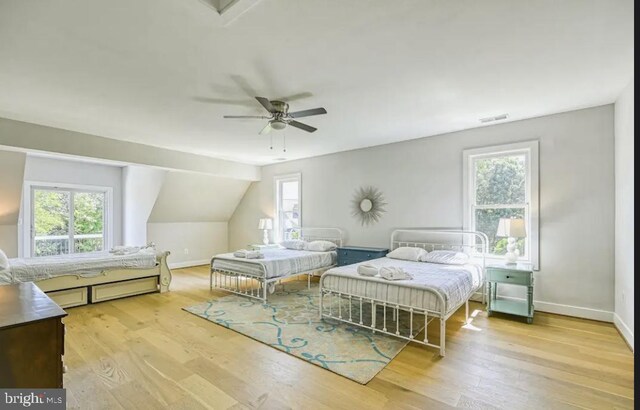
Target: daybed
[[78, 279]]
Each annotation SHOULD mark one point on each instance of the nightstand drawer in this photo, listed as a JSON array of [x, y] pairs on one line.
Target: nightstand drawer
[[504, 276], [360, 255], [348, 255]]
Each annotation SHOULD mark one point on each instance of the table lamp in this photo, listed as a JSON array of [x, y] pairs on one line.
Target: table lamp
[[265, 224], [511, 228]]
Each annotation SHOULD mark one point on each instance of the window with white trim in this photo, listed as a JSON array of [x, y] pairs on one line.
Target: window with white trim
[[288, 205], [65, 220], [502, 182]]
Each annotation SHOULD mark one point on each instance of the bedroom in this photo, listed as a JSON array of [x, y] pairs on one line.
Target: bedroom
[[113, 113]]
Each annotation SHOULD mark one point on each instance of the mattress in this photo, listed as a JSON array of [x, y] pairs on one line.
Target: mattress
[[455, 283], [81, 264], [276, 262]]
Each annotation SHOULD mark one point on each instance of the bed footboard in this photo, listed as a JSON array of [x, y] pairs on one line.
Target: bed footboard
[[257, 285], [241, 283], [402, 321], [165, 272]]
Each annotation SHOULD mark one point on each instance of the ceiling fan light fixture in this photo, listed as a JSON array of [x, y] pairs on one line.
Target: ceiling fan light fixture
[[278, 125]]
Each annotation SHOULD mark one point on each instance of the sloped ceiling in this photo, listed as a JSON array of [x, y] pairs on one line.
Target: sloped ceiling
[[164, 72], [11, 179], [189, 197]]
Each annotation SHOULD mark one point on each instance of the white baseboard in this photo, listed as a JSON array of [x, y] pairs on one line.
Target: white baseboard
[[567, 310], [187, 264], [624, 330]]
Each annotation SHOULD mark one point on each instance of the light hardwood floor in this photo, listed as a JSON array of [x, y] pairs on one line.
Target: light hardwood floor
[[145, 352]]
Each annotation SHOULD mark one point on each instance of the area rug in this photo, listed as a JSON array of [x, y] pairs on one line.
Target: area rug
[[289, 322]]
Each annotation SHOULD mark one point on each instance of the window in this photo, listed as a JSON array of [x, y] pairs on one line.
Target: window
[[502, 182], [66, 220], [288, 205]]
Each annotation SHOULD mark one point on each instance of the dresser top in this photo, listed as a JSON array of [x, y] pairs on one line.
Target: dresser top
[[23, 303], [363, 248]]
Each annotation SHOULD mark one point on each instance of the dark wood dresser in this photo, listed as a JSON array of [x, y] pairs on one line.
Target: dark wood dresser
[[31, 338]]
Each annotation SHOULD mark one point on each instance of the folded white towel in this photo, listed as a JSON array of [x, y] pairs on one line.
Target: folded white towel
[[254, 255], [367, 269], [394, 273], [243, 253]]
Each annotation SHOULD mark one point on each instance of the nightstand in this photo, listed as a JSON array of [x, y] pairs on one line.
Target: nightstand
[[517, 274], [262, 246], [348, 255]]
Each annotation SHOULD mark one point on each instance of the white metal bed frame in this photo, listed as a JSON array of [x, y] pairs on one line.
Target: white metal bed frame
[[468, 245], [257, 285]]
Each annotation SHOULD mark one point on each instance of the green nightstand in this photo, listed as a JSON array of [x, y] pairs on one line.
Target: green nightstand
[[516, 274]]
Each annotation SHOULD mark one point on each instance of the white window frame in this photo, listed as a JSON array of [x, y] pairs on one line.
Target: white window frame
[[278, 181], [532, 191], [27, 211]]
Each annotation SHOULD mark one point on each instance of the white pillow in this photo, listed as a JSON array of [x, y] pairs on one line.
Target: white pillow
[[407, 253], [320, 246], [445, 257], [4, 261], [295, 244]]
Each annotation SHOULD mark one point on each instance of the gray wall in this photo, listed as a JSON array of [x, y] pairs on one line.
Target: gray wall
[[38, 169], [40, 138], [190, 216], [624, 253], [422, 183], [11, 177], [140, 189]]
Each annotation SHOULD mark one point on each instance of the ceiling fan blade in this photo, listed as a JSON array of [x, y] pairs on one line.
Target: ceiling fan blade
[[224, 101], [307, 113], [260, 117], [267, 129], [294, 97], [302, 126], [266, 104]]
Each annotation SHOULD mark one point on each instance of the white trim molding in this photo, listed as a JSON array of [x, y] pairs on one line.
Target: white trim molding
[[26, 212], [565, 310], [532, 191], [277, 182], [624, 330]]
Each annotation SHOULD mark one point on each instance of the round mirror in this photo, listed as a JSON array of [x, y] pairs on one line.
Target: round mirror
[[366, 205]]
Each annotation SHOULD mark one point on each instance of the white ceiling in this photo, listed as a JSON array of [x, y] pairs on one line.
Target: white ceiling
[[385, 70]]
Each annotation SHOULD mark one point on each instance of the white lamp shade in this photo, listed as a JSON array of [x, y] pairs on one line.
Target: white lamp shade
[[511, 228], [265, 223]]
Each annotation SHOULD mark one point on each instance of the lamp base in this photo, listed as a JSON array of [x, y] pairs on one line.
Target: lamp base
[[511, 257], [265, 237]]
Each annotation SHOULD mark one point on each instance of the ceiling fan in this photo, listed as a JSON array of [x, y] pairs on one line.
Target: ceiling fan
[[281, 117]]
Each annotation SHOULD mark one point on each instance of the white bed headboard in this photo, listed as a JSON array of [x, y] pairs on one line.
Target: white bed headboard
[[474, 243], [319, 234]]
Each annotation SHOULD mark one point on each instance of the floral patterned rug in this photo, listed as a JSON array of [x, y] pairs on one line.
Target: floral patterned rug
[[289, 322]]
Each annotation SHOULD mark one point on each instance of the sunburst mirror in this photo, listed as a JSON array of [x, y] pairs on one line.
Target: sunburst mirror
[[368, 205]]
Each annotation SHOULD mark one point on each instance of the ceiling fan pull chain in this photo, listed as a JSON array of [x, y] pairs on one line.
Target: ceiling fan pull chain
[[271, 141], [284, 142]]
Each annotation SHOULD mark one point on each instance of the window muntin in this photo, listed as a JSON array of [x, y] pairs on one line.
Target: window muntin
[[502, 182], [288, 205], [67, 221], [499, 191]]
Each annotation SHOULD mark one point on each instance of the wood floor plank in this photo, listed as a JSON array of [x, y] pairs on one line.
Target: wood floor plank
[[146, 352]]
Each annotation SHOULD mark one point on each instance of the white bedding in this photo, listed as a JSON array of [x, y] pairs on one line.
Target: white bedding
[[81, 264], [454, 282], [276, 262]]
